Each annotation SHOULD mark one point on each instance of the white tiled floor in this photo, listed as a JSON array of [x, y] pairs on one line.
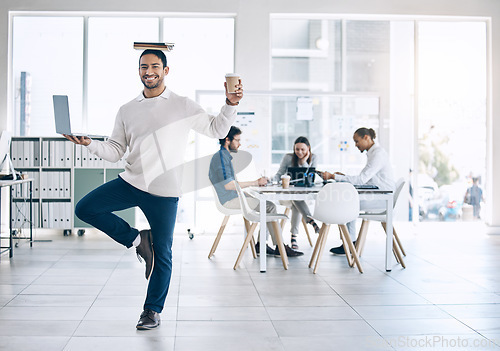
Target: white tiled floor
[[86, 293]]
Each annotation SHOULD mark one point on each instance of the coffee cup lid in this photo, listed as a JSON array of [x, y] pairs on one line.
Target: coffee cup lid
[[285, 176], [232, 75]]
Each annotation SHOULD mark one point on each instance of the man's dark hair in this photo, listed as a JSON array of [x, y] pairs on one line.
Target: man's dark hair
[[232, 133], [157, 53]]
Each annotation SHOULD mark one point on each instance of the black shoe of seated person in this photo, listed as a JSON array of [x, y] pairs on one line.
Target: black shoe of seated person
[[145, 251], [149, 320], [339, 250], [269, 250], [289, 252]]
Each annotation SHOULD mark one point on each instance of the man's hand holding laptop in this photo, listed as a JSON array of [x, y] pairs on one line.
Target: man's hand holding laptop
[[80, 140]]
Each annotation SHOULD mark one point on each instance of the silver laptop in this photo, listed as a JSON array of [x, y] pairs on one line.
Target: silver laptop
[[61, 116]]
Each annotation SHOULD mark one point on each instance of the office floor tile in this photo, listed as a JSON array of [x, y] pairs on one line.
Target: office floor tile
[[33, 343], [472, 310], [84, 293], [86, 343], [60, 289], [123, 328], [30, 313], [9, 328], [385, 299], [250, 300], [323, 328], [323, 313], [11, 289], [401, 312], [337, 343], [222, 314], [51, 301], [228, 343], [483, 325], [462, 298], [448, 326]]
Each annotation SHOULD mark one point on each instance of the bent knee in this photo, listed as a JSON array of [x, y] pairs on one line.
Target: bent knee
[[82, 209]]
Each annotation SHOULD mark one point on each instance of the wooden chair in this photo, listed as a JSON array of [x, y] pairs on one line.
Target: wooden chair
[[336, 203], [397, 247], [253, 217], [227, 212]]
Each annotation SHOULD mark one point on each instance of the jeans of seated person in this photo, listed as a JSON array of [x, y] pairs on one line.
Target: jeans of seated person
[[376, 206], [299, 210], [254, 204]]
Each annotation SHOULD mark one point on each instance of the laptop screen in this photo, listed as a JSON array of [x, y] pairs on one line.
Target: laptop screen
[[61, 114], [297, 174]]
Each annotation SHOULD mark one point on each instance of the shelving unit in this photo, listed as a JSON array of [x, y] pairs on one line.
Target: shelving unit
[[63, 173]]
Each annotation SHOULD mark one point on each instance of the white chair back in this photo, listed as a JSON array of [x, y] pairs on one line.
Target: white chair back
[[337, 203], [224, 210], [249, 214], [399, 186]]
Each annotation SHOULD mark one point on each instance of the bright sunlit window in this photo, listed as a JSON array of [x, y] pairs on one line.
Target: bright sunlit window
[[50, 52], [113, 77], [98, 80]]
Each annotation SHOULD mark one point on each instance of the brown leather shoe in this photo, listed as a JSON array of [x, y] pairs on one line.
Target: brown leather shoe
[[145, 250], [149, 319]]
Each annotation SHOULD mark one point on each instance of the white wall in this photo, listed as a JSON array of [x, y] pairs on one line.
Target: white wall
[[252, 56]]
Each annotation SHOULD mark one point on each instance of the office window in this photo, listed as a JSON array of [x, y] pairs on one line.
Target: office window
[[50, 51], [306, 54], [367, 56], [328, 121], [113, 76], [452, 116], [203, 54]]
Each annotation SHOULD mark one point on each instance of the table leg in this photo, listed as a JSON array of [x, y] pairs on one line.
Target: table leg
[[11, 242], [263, 255], [31, 213], [389, 238]]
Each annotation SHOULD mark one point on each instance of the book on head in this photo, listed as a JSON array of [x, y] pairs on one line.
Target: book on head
[[155, 46]]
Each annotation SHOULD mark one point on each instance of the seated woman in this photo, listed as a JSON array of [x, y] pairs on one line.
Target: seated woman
[[301, 157], [377, 172]]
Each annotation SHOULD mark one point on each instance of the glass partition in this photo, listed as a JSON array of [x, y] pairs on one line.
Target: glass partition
[[271, 121]]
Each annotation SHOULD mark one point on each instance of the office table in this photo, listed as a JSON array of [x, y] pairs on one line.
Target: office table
[[276, 193], [11, 184]]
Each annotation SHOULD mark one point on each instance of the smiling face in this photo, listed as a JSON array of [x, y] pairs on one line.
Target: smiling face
[[152, 74], [301, 150]]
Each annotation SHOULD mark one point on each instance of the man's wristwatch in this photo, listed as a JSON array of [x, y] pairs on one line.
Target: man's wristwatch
[[231, 103]]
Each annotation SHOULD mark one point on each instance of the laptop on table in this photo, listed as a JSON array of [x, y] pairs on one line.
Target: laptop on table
[[298, 175], [61, 116], [365, 186]]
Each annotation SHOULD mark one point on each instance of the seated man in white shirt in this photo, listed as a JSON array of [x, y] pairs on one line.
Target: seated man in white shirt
[[377, 172]]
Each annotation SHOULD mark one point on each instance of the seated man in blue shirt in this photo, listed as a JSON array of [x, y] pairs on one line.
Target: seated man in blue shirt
[[222, 176]]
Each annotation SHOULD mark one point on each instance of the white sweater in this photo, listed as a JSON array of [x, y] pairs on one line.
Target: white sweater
[[155, 130], [378, 170]]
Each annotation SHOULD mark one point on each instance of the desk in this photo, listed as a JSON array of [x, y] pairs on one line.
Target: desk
[[275, 193], [10, 184]]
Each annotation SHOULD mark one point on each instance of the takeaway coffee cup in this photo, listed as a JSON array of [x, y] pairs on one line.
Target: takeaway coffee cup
[[232, 79], [285, 181]]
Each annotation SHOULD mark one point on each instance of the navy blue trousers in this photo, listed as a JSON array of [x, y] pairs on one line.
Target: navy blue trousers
[[97, 208]]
